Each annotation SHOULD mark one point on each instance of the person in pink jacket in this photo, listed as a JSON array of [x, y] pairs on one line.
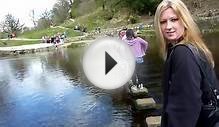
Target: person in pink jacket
[[139, 47]]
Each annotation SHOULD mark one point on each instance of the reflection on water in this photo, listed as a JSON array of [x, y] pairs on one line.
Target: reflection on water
[[50, 90], [38, 91]]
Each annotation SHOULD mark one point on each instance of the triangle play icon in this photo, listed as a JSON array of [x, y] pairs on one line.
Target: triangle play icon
[[109, 63]]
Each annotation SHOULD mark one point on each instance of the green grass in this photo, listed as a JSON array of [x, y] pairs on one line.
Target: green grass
[[99, 18], [90, 21], [37, 34], [7, 43], [3, 35]]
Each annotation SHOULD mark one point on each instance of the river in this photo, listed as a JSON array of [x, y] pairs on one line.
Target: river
[[50, 90]]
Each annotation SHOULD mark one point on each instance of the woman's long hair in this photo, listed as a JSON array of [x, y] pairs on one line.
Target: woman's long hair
[[192, 33]]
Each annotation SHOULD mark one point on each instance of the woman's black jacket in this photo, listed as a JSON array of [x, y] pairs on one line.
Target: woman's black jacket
[[181, 86]]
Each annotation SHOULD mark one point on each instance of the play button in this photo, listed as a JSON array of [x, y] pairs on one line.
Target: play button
[[108, 63]]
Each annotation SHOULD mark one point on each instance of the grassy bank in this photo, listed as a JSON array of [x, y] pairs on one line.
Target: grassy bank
[[7, 43], [37, 34], [103, 19], [90, 21]]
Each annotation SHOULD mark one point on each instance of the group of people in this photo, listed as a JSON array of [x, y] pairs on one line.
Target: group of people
[[56, 39], [183, 82]]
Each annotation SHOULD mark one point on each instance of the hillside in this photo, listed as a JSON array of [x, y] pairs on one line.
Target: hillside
[[90, 14], [195, 6]]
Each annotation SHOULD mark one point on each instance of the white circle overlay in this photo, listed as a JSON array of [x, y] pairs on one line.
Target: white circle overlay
[[94, 63]]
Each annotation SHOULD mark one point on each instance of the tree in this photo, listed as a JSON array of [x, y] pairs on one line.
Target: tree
[[11, 24], [61, 11], [74, 8], [33, 18], [142, 6], [45, 20], [70, 6], [101, 3]]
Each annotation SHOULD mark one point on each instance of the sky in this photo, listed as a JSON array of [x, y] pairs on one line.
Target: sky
[[22, 9]]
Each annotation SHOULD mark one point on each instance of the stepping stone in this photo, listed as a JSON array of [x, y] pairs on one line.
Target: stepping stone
[[145, 103], [138, 91], [153, 121]]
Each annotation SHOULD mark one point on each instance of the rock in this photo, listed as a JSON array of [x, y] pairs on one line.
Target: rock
[[153, 121], [138, 91], [145, 103]]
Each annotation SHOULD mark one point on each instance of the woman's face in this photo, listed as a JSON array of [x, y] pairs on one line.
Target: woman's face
[[171, 26]]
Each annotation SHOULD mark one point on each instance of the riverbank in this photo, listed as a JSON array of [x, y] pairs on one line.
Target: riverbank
[[14, 50], [32, 48], [145, 32]]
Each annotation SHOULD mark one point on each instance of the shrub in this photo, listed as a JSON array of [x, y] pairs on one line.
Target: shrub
[[133, 19], [107, 14]]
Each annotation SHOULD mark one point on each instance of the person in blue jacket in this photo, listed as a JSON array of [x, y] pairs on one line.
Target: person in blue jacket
[[182, 100]]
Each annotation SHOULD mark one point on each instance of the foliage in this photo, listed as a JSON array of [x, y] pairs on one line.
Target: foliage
[[91, 14], [133, 19], [11, 24], [107, 14], [99, 18], [74, 10], [138, 6], [60, 12], [100, 2], [45, 21], [142, 6], [83, 7]]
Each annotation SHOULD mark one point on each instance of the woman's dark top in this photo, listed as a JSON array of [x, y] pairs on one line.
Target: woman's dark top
[[181, 85]]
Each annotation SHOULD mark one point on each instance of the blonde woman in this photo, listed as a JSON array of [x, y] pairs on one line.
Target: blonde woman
[[182, 81]]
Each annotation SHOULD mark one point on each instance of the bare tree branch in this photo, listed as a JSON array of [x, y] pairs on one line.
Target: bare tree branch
[[11, 24], [32, 16]]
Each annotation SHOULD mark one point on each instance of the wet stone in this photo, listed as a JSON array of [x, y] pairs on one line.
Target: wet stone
[[145, 104], [139, 91], [153, 121]]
